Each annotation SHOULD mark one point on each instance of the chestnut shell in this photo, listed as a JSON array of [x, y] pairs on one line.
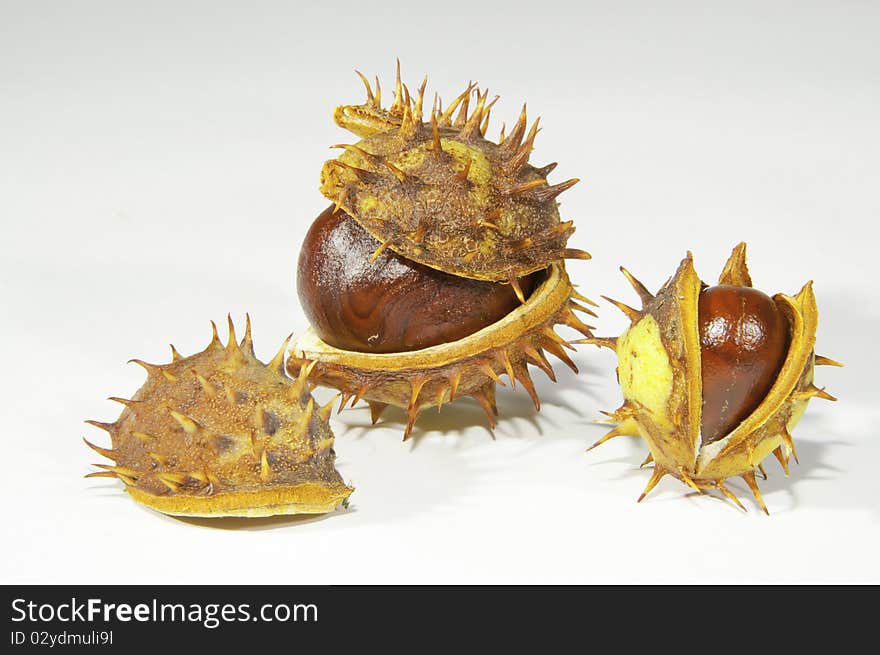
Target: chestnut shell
[[659, 371], [434, 189]]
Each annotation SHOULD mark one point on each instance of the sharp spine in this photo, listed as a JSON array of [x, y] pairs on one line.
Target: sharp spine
[[361, 173], [350, 147], [454, 381], [489, 371], [537, 357], [232, 341], [756, 492], [514, 284], [376, 409], [488, 405], [371, 99], [503, 358], [525, 187], [412, 410], [732, 496], [513, 140], [189, 425], [782, 458], [472, 125], [581, 308], [324, 411], [106, 427], [399, 174], [247, 341], [611, 434], [396, 108], [215, 338], [551, 192], [435, 136], [634, 315], [602, 342], [461, 119], [109, 453], [207, 387], [462, 175], [521, 156], [656, 475], [521, 372], [172, 480], [555, 348], [277, 362], [131, 404], [445, 118], [544, 171], [645, 295], [382, 247], [574, 253]]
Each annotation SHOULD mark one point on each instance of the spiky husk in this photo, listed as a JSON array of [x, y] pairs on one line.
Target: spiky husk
[[221, 434], [468, 367], [660, 377], [441, 194]]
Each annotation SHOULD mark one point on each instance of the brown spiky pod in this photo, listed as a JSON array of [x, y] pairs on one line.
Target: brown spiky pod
[[220, 433], [471, 366], [659, 370], [439, 193]]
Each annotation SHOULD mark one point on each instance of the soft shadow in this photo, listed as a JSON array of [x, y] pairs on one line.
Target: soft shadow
[[818, 463], [257, 524], [516, 418], [842, 463], [848, 329], [781, 493]]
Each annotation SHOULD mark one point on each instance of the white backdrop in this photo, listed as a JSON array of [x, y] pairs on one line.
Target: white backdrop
[[159, 167]]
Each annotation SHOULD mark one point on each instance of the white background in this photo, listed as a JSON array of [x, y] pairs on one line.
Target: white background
[[159, 167]]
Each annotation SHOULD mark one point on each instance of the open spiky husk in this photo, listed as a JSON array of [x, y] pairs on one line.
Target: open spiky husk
[[660, 377], [440, 194], [468, 367], [221, 434]]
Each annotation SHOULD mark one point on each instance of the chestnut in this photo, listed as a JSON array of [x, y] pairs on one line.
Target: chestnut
[[388, 303], [743, 343], [715, 378], [440, 266]]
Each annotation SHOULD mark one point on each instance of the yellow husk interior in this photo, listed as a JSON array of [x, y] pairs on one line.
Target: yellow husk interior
[[467, 367], [659, 373], [305, 498]]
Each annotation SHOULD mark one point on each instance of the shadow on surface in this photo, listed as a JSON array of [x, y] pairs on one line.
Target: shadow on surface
[[843, 487], [516, 418], [259, 523]]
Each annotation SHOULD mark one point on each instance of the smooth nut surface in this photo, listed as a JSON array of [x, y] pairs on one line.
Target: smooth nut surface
[[743, 343], [391, 304]]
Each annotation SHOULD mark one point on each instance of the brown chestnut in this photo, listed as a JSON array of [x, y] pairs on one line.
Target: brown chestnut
[[744, 339], [390, 304]]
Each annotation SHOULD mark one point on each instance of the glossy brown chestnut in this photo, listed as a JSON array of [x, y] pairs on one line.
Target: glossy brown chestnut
[[743, 343], [391, 304]]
